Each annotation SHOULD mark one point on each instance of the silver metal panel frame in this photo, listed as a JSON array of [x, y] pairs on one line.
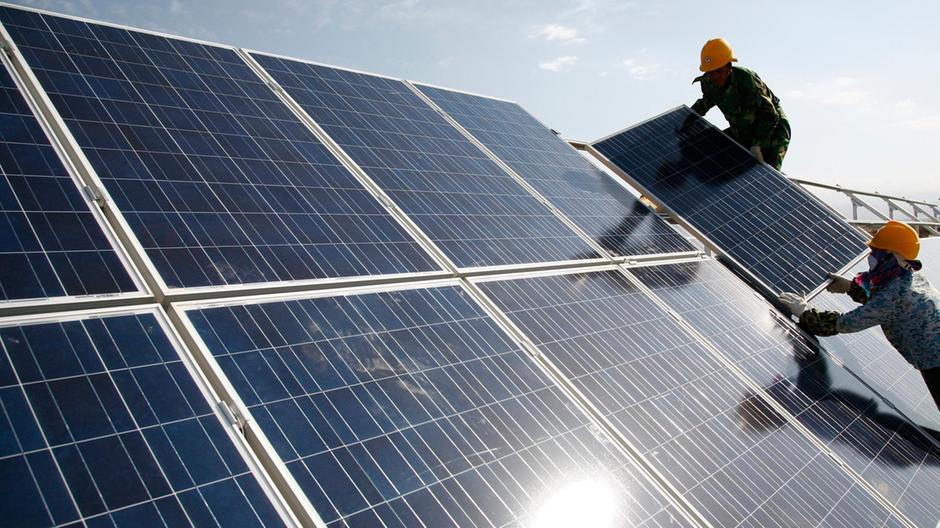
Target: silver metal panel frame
[[763, 286], [278, 502]]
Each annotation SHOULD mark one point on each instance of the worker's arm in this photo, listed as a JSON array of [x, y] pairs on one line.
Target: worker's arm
[[857, 293], [757, 98], [878, 310], [705, 103]]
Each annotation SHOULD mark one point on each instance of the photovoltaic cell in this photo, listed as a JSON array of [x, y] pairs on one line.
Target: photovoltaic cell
[[603, 208], [413, 408], [472, 209], [930, 257], [871, 438], [218, 180], [51, 245], [680, 406], [869, 354], [102, 425], [779, 232]]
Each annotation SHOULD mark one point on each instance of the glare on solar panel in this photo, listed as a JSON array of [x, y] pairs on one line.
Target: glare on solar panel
[[412, 406], [104, 425], [218, 181], [772, 228]]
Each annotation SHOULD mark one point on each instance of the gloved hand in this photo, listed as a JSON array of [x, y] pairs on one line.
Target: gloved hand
[[755, 150], [839, 284], [793, 302], [687, 124]]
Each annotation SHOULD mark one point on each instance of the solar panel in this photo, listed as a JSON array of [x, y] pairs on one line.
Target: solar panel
[[220, 183], [413, 408], [773, 228], [51, 245], [885, 449], [869, 354], [603, 208], [679, 406], [103, 425], [930, 257], [465, 203]]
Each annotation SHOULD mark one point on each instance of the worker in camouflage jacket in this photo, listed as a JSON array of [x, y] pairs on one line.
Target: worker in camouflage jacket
[[892, 294], [753, 111]]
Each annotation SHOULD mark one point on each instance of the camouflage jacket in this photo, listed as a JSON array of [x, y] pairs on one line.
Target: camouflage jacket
[[908, 310], [751, 109]]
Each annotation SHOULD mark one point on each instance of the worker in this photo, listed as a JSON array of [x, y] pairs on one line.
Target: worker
[[892, 294], [753, 112]]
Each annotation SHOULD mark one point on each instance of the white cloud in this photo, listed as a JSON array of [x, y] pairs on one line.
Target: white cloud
[[176, 7], [557, 32], [643, 70], [843, 91], [560, 64], [922, 123]]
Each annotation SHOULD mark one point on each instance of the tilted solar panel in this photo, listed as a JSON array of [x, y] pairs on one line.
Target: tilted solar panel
[[220, 183], [413, 408], [680, 406], [774, 229], [103, 425], [930, 257], [885, 449], [875, 360], [472, 209], [51, 245], [603, 208]]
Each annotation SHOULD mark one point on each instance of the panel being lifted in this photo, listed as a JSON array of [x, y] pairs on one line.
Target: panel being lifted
[[466, 204], [220, 183], [413, 407], [103, 425], [679, 405], [51, 244], [776, 231], [603, 208]]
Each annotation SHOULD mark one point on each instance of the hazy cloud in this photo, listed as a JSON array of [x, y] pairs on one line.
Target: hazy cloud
[[642, 70], [846, 91], [560, 64], [556, 32]]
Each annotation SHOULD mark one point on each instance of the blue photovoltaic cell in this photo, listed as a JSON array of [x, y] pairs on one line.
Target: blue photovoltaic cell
[[885, 449], [603, 208], [680, 406], [869, 354], [51, 245], [776, 230], [102, 425], [473, 210], [219, 181], [930, 257], [413, 408]]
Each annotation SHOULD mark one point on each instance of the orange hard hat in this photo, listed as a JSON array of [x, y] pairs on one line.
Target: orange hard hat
[[715, 54], [897, 237]]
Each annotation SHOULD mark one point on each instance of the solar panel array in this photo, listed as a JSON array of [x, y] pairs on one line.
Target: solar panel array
[[776, 230], [51, 245], [601, 207], [393, 385], [891, 454]]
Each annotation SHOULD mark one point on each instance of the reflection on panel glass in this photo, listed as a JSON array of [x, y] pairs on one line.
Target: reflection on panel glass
[[871, 356], [466, 204], [683, 409], [776, 230], [894, 457], [603, 208], [50, 243], [930, 257], [102, 424], [218, 180], [412, 408]]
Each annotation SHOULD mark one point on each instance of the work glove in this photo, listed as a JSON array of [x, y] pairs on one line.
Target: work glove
[[687, 123], [839, 284], [794, 303], [755, 150]]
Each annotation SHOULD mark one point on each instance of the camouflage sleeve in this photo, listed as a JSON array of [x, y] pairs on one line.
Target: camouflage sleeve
[[705, 103], [819, 323], [879, 309], [857, 293], [757, 97]]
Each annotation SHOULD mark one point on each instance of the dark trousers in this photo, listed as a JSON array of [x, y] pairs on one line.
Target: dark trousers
[[932, 379]]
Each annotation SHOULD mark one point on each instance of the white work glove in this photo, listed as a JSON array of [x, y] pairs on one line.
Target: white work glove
[[755, 150], [793, 302], [839, 284]]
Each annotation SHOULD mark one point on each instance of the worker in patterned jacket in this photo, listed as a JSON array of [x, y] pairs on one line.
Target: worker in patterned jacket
[[753, 111], [892, 294]]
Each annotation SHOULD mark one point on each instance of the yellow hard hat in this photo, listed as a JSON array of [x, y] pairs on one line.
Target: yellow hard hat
[[897, 237], [715, 54]]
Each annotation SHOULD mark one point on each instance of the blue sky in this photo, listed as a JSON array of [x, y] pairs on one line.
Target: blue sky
[[859, 80]]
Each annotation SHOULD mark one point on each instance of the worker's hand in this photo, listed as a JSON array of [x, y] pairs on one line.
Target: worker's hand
[[687, 124], [839, 284], [755, 150], [793, 302]]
